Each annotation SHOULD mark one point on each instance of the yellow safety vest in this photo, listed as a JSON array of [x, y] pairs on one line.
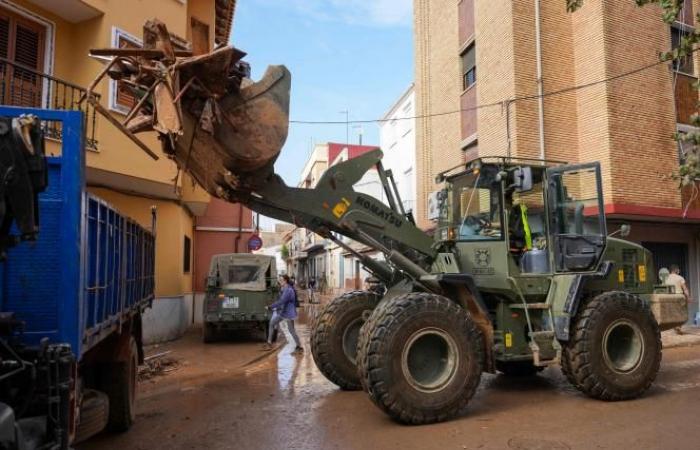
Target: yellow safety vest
[[526, 227]]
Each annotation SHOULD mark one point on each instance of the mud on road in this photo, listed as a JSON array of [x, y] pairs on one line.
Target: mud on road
[[230, 395]]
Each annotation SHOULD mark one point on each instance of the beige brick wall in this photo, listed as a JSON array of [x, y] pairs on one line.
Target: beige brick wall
[[438, 89], [626, 125]]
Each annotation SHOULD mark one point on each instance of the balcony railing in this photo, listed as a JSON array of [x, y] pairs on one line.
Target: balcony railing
[[23, 86]]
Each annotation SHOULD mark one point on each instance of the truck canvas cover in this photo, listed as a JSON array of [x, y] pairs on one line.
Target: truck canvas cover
[[243, 271]]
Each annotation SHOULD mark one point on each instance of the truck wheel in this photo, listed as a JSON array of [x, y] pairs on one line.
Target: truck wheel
[[120, 386], [209, 334], [94, 414], [334, 336], [518, 368], [614, 352], [420, 358]]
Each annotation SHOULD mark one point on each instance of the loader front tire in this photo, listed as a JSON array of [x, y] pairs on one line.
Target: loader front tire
[[614, 352], [420, 358], [334, 336]]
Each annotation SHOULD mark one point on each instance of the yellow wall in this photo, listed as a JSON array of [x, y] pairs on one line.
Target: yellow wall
[[116, 152], [172, 224]]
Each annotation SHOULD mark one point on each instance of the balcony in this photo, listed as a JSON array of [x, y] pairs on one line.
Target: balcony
[[74, 11], [22, 86]]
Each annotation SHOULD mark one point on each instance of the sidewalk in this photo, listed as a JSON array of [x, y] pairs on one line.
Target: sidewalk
[[690, 337]]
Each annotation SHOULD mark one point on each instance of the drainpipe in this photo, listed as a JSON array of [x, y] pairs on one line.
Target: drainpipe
[[540, 82], [240, 226]]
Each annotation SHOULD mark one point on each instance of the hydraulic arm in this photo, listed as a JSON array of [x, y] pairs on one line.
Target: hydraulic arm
[[333, 208]]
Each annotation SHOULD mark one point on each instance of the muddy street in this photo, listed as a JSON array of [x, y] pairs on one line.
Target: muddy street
[[232, 395]]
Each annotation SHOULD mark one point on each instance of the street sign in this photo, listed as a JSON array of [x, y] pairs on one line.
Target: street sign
[[255, 243]]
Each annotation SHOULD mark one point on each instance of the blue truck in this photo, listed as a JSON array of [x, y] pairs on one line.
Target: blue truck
[[71, 296]]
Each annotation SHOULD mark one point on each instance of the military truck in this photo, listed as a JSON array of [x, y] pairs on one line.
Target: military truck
[[239, 287]]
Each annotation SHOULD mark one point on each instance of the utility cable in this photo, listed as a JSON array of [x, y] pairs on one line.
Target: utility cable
[[493, 104]]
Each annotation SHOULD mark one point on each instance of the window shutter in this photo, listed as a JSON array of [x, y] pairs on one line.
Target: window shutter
[[4, 37], [27, 50]]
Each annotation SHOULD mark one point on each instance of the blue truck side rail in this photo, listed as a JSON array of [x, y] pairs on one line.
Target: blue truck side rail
[[91, 268]]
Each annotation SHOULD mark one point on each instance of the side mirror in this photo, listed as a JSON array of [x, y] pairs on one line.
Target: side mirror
[[522, 179], [625, 230], [212, 281]]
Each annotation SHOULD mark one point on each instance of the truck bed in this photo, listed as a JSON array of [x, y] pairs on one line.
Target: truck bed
[[91, 267]]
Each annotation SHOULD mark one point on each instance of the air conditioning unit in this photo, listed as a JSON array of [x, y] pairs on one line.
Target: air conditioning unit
[[434, 205]]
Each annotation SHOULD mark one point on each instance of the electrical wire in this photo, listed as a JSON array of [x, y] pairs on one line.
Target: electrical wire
[[493, 104]]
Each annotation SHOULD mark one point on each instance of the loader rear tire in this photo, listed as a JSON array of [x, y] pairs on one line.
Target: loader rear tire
[[334, 337], [614, 352], [420, 358]]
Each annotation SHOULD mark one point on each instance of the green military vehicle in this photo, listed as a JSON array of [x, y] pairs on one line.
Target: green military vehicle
[[239, 288], [519, 274]]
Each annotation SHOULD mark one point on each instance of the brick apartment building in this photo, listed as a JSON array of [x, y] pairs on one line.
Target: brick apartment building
[[479, 52]]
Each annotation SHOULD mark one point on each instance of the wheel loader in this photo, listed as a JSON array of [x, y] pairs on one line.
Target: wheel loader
[[519, 274]]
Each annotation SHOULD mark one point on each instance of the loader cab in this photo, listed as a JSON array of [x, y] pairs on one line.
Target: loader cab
[[510, 217]]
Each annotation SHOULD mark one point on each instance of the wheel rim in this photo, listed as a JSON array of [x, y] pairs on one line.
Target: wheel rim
[[350, 337], [429, 360], [623, 346]]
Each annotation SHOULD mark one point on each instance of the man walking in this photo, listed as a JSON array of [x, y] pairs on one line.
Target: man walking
[[284, 310], [679, 286]]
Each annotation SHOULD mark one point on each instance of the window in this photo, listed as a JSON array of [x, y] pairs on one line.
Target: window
[[22, 43], [122, 97], [469, 67], [685, 64], [187, 255], [476, 208]]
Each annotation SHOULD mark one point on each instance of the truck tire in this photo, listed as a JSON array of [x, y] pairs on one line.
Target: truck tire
[[614, 352], [518, 368], [209, 333], [420, 358], [94, 415], [120, 385], [334, 336]]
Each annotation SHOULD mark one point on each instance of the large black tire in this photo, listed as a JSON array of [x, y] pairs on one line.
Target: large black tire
[[518, 368], [94, 415], [209, 333], [614, 352], [334, 336], [120, 385], [420, 358]]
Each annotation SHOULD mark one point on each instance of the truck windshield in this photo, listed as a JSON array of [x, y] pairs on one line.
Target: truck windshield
[[476, 208]]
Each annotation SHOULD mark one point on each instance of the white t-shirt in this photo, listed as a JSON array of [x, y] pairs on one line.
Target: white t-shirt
[[676, 281]]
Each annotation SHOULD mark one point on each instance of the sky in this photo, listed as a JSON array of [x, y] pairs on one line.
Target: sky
[[344, 55]]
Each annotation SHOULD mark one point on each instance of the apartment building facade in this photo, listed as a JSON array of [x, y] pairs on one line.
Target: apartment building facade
[[606, 100], [397, 139], [44, 63], [311, 256]]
